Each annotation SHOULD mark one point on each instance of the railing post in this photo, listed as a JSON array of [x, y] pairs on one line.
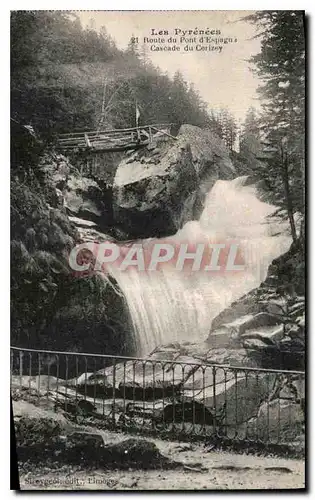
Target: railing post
[[143, 393], [39, 373], [57, 380], [30, 375], [153, 394], [124, 394], [21, 368], [183, 400], [76, 387], [66, 387], [114, 393], [12, 365], [214, 400], [236, 403]]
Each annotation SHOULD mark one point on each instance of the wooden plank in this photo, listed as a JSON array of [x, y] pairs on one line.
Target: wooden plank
[[125, 147], [72, 143], [165, 133], [144, 127], [94, 151], [70, 139], [101, 131], [92, 138]]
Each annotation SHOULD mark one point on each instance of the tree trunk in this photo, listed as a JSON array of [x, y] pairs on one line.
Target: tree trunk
[[285, 174]]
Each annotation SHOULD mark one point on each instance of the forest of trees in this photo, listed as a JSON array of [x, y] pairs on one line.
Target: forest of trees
[[64, 77], [277, 135]]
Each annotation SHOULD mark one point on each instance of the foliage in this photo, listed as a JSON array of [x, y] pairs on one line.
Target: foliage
[[228, 128], [281, 66], [251, 135], [65, 77]]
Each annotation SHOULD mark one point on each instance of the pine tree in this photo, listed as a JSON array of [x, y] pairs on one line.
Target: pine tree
[[250, 137], [229, 128], [281, 65]]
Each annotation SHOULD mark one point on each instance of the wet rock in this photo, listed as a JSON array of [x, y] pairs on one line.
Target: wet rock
[[269, 321], [249, 312], [229, 356], [228, 333], [137, 380], [278, 421], [80, 198], [90, 231], [149, 197], [244, 307], [262, 336], [231, 398], [262, 319]]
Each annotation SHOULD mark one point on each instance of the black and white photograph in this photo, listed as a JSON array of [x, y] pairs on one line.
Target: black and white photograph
[[157, 229]]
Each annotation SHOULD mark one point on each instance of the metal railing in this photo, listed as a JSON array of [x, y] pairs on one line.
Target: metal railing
[[166, 397]]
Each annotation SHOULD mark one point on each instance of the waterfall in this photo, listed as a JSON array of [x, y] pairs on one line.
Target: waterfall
[[168, 305]]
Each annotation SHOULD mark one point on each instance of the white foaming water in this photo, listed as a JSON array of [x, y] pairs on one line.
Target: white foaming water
[[175, 306]]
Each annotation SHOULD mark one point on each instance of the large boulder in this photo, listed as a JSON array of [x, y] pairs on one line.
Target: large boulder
[[158, 189], [278, 421], [82, 198], [232, 398], [285, 278], [42, 437], [269, 321], [80, 195], [260, 300]]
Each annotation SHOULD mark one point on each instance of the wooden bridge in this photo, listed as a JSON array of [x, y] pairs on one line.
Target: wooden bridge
[[112, 140]]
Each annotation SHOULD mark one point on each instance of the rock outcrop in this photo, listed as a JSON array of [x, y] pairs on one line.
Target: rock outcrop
[[81, 197], [157, 189], [42, 437], [53, 308], [87, 202], [269, 321], [280, 420]]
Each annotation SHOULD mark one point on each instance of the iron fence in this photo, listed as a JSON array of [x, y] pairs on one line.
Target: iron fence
[[167, 397]]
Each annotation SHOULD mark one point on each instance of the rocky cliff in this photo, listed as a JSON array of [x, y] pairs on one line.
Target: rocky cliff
[[159, 188], [269, 321], [52, 308]]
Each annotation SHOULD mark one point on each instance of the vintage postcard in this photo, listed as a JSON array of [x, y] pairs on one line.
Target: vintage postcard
[[157, 250]]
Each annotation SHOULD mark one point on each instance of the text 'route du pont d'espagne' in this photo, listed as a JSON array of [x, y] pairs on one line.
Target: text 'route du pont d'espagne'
[[185, 40]]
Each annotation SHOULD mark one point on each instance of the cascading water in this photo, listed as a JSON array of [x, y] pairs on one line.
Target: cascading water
[[169, 305]]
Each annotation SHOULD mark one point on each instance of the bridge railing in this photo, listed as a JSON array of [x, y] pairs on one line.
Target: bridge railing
[[170, 398], [102, 139]]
